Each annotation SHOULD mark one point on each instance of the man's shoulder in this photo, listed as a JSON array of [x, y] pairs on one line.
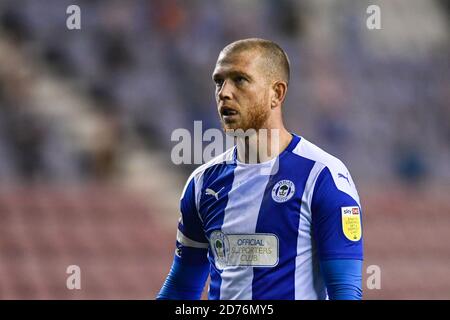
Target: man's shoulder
[[225, 157], [309, 150], [337, 169]]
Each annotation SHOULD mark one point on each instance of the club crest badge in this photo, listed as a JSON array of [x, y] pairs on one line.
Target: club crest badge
[[283, 191], [219, 247]]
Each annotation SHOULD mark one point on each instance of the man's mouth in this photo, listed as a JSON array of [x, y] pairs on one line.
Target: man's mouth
[[227, 112]]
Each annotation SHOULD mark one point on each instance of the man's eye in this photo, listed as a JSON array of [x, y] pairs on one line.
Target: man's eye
[[218, 82], [240, 80]]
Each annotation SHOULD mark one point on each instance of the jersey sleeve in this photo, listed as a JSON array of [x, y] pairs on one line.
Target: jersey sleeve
[[190, 267], [190, 233], [337, 216], [343, 278]]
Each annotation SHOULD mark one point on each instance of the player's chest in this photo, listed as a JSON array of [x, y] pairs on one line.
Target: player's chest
[[251, 203]]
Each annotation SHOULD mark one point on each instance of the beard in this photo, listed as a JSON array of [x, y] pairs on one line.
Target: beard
[[254, 119]]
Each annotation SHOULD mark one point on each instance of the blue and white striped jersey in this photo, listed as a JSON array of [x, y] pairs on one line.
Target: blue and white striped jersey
[[265, 234]]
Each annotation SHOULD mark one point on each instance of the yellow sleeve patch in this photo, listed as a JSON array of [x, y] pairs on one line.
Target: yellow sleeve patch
[[351, 223]]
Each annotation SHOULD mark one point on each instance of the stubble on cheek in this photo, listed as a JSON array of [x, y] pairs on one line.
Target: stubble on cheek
[[258, 115]]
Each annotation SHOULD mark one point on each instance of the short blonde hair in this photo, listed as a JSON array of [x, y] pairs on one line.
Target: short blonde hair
[[277, 61]]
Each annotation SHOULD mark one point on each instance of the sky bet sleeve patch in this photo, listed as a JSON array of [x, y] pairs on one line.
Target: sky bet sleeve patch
[[351, 223]]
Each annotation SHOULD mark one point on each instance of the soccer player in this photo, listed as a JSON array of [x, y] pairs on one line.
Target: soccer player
[[286, 226]]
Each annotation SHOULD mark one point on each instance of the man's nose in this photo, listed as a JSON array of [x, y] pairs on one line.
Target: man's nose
[[225, 91]]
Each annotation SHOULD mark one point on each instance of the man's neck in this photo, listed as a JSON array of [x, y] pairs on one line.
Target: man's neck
[[262, 146]]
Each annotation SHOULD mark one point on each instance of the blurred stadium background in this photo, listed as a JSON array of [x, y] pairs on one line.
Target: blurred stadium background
[[86, 118]]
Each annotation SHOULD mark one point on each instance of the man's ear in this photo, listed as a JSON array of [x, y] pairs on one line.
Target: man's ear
[[279, 89]]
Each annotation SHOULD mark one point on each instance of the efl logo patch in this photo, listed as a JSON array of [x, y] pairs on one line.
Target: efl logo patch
[[351, 223], [283, 191]]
